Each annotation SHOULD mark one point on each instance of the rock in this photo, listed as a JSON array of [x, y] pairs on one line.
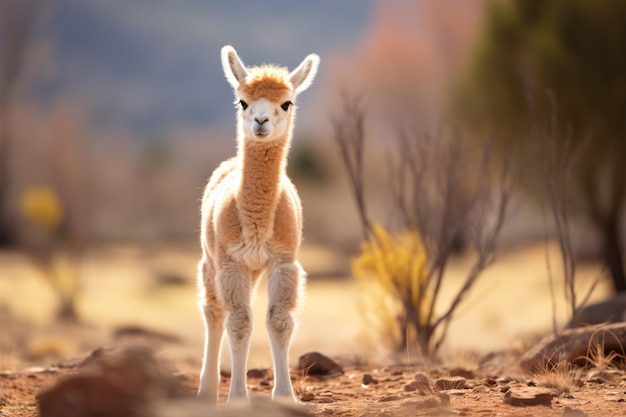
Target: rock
[[389, 398], [306, 396], [113, 384], [572, 412], [257, 373], [412, 386], [314, 363], [140, 331], [611, 377], [453, 382], [573, 344], [490, 382], [611, 310], [369, 379], [465, 373], [525, 397], [421, 381]]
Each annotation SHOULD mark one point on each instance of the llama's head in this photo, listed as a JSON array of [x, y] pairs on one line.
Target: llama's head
[[266, 95]]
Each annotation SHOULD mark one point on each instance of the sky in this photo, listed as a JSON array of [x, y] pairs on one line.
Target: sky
[[153, 65]]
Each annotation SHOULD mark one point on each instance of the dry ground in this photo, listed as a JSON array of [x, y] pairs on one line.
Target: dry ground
[[134, 295], [388, 391]]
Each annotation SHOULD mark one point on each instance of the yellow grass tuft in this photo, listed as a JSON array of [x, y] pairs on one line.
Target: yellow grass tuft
[[563, 378], [392, 274]]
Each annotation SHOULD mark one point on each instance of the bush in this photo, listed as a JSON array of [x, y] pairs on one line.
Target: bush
[[392, 275]]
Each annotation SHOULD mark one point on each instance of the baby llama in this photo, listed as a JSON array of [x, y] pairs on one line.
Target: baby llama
[[252, 224]]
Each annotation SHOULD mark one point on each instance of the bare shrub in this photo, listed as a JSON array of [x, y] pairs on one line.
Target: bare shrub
[[557, 161], [446, 194]]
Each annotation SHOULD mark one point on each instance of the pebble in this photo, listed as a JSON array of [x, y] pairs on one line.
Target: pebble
[[465, 373], [421, 380], [369, 379], [524, 397]]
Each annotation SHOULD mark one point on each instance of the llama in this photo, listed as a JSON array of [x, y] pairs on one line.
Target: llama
[[251, 224]]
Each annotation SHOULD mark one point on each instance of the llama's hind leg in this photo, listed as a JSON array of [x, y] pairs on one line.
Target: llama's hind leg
[[284, 286], [235, 290], [213, 316]]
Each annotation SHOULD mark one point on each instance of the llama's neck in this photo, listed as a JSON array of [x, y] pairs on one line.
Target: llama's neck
[[262, 165]]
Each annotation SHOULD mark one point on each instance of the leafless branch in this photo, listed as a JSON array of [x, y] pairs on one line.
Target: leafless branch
[[349, 130]]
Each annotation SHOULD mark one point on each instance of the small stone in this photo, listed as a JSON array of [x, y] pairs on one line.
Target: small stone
[[369, 379], [462, 372], [257, 373], [421, 380], [388, 398], [524, 397], [325, 400], [412, 386], [306, 396], [490, 382], [604, 377], [454, 382], [314, 363]]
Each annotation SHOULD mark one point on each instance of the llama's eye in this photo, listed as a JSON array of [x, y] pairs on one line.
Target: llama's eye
[[285, 105], [244, 105]]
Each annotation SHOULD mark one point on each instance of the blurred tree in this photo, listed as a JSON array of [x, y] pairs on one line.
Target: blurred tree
[[539, 59], [17, 18]]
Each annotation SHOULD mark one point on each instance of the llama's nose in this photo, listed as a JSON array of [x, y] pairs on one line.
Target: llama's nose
[[261, 120]]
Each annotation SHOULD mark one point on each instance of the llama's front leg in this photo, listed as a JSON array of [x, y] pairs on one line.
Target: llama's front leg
[[213, 316], [210, 374], [235, 288], [285, 281]]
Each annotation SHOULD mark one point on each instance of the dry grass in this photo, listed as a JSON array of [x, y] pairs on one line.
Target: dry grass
[[562, 378], [598, 358]]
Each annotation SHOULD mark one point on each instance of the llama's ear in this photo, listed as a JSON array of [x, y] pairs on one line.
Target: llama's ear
[[234, 70], [302, 77]]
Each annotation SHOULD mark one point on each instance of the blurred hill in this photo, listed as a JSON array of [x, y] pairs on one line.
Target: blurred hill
[[150, 66]]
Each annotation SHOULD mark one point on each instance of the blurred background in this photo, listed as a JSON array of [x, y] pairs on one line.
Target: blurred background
[[113, 114]]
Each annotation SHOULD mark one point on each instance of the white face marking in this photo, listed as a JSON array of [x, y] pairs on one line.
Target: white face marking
[[264, 120]]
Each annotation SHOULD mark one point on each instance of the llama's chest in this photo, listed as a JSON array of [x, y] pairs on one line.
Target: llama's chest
[[255, 255], [251, 232]]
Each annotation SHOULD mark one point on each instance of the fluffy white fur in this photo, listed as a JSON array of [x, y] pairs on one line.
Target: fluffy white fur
[[252, 224]]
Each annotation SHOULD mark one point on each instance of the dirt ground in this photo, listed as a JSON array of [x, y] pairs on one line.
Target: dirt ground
[[386, 391], [134, 296]]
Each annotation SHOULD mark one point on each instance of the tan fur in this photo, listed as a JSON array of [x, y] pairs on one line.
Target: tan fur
[[266, 81], [252, 224]]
